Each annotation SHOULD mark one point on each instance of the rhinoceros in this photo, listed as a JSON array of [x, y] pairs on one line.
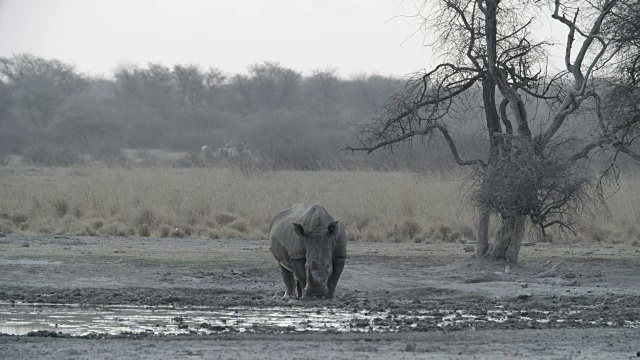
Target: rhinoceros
[[310, 244]]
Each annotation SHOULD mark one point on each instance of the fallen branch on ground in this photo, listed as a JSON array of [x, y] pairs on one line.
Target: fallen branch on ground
[[545, 277]]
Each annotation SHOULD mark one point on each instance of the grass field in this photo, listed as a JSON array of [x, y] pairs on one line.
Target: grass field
[[228, 203]]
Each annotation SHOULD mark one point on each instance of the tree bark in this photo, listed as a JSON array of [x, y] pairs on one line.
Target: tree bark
[[482, 244], [507, 243]]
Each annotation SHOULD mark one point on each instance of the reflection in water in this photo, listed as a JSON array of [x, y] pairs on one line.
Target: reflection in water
[[20, 319]]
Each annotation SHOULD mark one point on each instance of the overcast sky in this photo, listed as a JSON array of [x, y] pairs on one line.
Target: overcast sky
[[354, 36]]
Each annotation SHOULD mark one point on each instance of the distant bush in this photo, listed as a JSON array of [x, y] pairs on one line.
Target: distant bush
[[190, 160], [53, 156], [108, 154]]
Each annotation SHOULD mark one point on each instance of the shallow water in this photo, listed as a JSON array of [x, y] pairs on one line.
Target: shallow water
[[20, 319]]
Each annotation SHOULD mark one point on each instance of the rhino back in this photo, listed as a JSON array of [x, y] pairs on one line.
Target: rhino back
[[286, 245], [340, 246]]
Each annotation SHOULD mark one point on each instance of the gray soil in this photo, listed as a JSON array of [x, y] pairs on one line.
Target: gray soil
[[598, 317]]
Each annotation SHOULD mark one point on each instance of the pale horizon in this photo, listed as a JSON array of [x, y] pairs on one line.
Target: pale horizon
[[355, 37]]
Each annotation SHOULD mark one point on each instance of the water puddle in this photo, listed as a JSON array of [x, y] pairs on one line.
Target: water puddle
[[20, 319]]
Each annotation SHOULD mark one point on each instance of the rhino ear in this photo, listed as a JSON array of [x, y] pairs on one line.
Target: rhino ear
[[332, 227], [298, 229]]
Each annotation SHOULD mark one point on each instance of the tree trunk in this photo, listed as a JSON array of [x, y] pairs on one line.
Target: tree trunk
[[507, 243], [482, 244]]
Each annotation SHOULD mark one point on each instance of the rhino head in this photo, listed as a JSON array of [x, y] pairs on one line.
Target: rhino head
[[319, 242]]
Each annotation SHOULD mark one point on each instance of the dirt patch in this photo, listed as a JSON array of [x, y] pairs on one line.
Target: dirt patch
[[421, 284]]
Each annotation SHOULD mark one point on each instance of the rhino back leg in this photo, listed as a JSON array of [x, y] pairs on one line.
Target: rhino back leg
[[338, 266], [289, 281]]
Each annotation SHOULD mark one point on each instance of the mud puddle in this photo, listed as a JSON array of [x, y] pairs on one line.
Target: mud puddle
[[76, 320]]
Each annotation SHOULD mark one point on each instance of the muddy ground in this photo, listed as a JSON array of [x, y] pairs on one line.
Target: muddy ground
[[402, 278]]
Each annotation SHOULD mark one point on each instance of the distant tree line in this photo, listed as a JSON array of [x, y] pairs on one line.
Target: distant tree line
[[294, 120]]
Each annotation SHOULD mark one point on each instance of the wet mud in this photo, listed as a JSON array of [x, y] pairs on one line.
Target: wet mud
[[146, 289], [79, 320]]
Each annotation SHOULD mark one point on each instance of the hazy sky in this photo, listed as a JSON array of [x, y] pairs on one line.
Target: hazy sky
[[372, 36], [354, 36]]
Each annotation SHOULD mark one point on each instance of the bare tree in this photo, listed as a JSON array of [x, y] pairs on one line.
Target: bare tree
[[323, 90], [214, 80], [39, 86], [191, 85], [532, 169], [624, 29], [268, 85]]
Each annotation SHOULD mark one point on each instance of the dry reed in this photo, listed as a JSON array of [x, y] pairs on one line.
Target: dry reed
[[214, 202]]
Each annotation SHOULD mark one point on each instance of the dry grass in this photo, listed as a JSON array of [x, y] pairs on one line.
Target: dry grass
[[224, 203]]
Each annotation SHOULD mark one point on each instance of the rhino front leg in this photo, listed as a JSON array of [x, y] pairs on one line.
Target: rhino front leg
[[338, 266], [301, 274], [300, 291], [289, 281]]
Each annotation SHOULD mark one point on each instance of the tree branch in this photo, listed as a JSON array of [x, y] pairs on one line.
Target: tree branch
[[423, 132]]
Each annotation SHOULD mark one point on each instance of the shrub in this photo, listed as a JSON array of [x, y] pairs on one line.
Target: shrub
[[77, 212], [192, 217], [144, 217], [225, 233], [116, 229], [224, 218], [240, 225], [409, 229], [97, 224], [445, 232], [88, 231], [375, 236], [19, 218], [190, 160], [600, 235], [6, 226], [60, 207], [353, 235], [165, 231], [176, 233], [144, 230]]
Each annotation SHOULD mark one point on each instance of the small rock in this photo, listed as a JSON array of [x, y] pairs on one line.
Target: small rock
[[2, 234], [25, 244], [410, 347], [569, 276], [525, 286], [469, 248]]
